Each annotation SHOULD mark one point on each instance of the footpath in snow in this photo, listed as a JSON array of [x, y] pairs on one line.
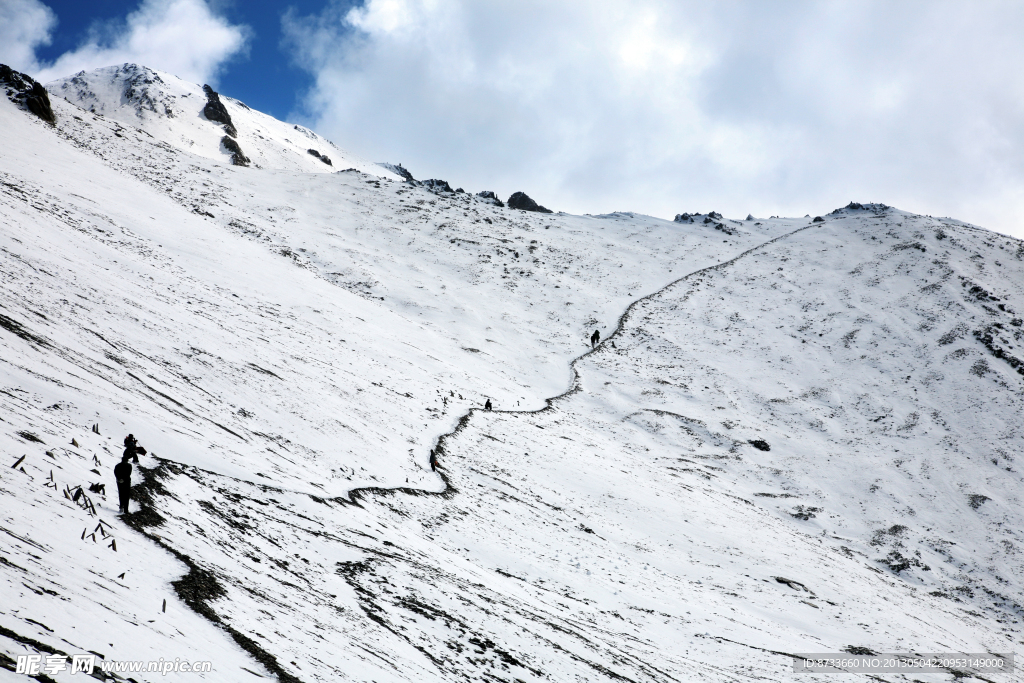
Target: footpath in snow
[[806, 444]]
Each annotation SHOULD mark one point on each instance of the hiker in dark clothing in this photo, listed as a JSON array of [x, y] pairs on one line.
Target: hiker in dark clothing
[[487, 406], [594, 338], [433, 461], [123, 475], [132, 449]]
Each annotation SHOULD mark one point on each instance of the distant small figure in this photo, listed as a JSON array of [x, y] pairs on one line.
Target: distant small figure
[[123, 475], [487, 406], [595, 338], [433, 461]]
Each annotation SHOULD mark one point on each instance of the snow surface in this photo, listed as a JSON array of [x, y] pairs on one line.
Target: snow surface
[[170, 110], [290, 343]]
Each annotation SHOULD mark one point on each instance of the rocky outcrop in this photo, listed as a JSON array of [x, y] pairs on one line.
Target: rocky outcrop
[[217, 112], [237, 157], [714, 219], [436, 185], [321, 157], [397, 169], [522, 201], [489, 196], [857, 206], [26, 92]]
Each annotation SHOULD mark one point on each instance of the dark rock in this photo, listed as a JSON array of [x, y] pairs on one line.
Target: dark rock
[[435, 185], [397, 169], [25, 92], [321, 157], [818, 219], [15, 79], [215, 111], [237, 157], [975, 500], [715, 215], [877, 209], [804, 513], [39, 103], [760, 445], [795, 585], [683, 218], [490, 196], [522, 201]]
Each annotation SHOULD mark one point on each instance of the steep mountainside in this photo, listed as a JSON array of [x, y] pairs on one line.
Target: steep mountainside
[[796, 435], [199, 120]]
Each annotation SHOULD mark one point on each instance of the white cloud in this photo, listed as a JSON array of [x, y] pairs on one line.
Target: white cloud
[[790, 107], [24, 26], [183, 37]]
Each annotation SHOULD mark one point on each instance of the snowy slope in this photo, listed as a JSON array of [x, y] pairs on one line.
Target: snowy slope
[[281, 338], [170, 110]]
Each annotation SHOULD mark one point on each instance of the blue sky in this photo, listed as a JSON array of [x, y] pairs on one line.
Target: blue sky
[[789, 108], [265, 77]]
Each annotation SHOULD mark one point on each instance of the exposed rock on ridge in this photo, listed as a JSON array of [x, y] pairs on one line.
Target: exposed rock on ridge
[[522, 201], [398, 169], [26, 92], [436, 185], [490, 196], [237, 157], [322, 157], [216, 111]]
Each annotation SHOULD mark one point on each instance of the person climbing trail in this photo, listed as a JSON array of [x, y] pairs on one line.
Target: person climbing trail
[[487, 406], [132, 449], [434, 464], [595, 338], [123, 475]]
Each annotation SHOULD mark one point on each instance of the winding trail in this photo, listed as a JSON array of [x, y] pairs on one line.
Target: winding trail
[[200, 586], [574, 382]]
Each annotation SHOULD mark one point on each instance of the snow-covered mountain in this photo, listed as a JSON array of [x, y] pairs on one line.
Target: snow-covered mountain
[[196, 119], [796, 435]]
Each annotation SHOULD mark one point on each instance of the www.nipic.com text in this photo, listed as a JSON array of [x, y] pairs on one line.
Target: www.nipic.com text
[[53, 664]]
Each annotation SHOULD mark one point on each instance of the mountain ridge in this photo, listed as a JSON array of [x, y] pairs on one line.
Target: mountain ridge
[[289, 341]]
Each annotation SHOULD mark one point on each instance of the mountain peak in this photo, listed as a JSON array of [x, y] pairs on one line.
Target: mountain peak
[[195, 118]]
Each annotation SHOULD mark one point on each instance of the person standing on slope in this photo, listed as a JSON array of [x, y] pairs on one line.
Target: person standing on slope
[[132, 449], [595, 338], [434, 464], [487, 406], [123, 475]]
